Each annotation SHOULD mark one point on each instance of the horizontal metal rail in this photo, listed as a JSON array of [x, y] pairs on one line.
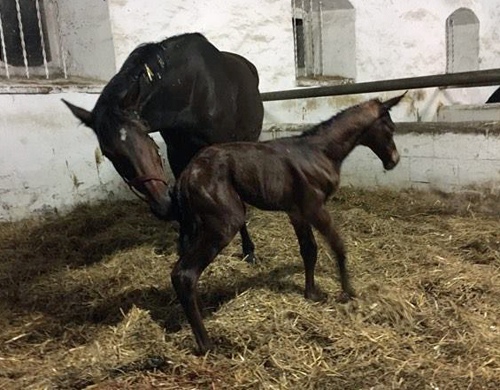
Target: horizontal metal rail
[[478, 78]]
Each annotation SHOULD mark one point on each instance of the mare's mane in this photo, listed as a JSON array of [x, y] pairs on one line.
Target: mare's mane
[[147, 60]]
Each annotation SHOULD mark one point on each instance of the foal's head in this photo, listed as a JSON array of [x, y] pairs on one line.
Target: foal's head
[[124, 140], [379, 137]]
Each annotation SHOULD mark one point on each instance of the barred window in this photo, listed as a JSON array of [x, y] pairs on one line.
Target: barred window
[[55, 40], [27, 46], [31, 31]]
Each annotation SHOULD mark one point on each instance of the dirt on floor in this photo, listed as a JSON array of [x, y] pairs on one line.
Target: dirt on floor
[[86, 301]]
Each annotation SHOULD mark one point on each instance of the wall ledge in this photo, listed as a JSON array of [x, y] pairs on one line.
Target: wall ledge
[[43, 87], [483, 127]]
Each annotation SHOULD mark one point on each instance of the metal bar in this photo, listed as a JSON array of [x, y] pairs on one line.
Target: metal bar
[[312, 36], [61, 46], [23, 42], [321, 43], [294, 18], [4, 49], [478, 78], [42, 40]]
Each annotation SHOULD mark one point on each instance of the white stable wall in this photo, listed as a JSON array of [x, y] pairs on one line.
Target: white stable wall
[[48, 161]]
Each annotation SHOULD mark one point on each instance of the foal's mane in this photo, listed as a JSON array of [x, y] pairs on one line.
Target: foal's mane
[[353, 110]]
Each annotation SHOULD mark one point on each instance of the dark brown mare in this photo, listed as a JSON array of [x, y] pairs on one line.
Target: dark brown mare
[[191, 92], [296, 175]]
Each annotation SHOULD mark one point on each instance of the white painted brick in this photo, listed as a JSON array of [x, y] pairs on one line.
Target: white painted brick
[[477, 172], [394, 178], [416, 145], [492, 149], [436, 172], [464, 146]]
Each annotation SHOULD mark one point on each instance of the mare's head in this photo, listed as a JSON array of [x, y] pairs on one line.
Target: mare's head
[[379, 136], [124, 140]]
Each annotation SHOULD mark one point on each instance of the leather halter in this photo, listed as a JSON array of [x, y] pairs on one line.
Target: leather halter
[[140, 181]]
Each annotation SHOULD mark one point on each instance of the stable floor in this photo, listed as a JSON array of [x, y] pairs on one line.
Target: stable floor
[[86, 301]]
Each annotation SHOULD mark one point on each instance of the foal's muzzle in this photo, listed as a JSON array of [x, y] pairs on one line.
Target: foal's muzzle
[[393, 161]]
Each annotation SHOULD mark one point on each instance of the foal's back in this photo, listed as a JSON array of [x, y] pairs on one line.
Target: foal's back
[[275, 175]]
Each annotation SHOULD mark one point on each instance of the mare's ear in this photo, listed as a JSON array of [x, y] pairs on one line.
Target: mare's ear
[[82, 114], [392, 102]]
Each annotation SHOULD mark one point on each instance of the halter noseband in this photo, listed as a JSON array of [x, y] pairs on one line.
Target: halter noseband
[[141, 180]]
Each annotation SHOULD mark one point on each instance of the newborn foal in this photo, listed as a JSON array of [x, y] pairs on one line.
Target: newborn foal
[[296, 175]]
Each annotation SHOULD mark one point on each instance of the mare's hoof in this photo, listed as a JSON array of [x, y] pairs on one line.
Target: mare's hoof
[[316, 296]]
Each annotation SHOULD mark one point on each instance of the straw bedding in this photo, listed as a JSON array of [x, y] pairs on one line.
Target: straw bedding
[[86, 301]]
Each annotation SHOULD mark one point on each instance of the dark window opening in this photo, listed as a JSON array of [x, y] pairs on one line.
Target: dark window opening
[[299, 42], [32, 39]]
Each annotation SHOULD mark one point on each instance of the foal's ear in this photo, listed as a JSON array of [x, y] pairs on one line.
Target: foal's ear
[[82, 114], [392, 102]]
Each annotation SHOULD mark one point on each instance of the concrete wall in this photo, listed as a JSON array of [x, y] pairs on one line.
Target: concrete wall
[[85, 32], [339, 42], [402, 39], [469, 112], [47, 160]]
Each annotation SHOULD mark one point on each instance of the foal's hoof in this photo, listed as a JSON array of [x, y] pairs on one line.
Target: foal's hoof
[[250, 258], [345, 297], [203, 349], [316, 295]]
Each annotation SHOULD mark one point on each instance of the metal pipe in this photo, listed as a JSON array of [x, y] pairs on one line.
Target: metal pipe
[[42, 40], [479, 78], [4, 49], [23, 41]]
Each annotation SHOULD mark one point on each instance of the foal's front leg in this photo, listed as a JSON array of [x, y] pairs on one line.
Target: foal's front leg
[[309, 253], [322, 221]]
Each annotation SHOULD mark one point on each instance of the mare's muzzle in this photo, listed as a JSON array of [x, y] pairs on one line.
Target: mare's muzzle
[[162, 206]]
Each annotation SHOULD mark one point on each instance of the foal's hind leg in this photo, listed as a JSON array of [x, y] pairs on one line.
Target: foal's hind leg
[[185, 277], [309, 253], [199, 252], [322, 221]]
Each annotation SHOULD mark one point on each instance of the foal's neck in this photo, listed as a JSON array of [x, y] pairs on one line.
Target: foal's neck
[[341, 134]]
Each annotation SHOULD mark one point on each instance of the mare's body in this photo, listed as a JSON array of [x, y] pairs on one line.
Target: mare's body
[[191, 92]]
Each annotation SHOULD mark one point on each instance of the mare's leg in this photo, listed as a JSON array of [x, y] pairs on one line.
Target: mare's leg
[[309, 253], [322, 221], [177, 159]]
